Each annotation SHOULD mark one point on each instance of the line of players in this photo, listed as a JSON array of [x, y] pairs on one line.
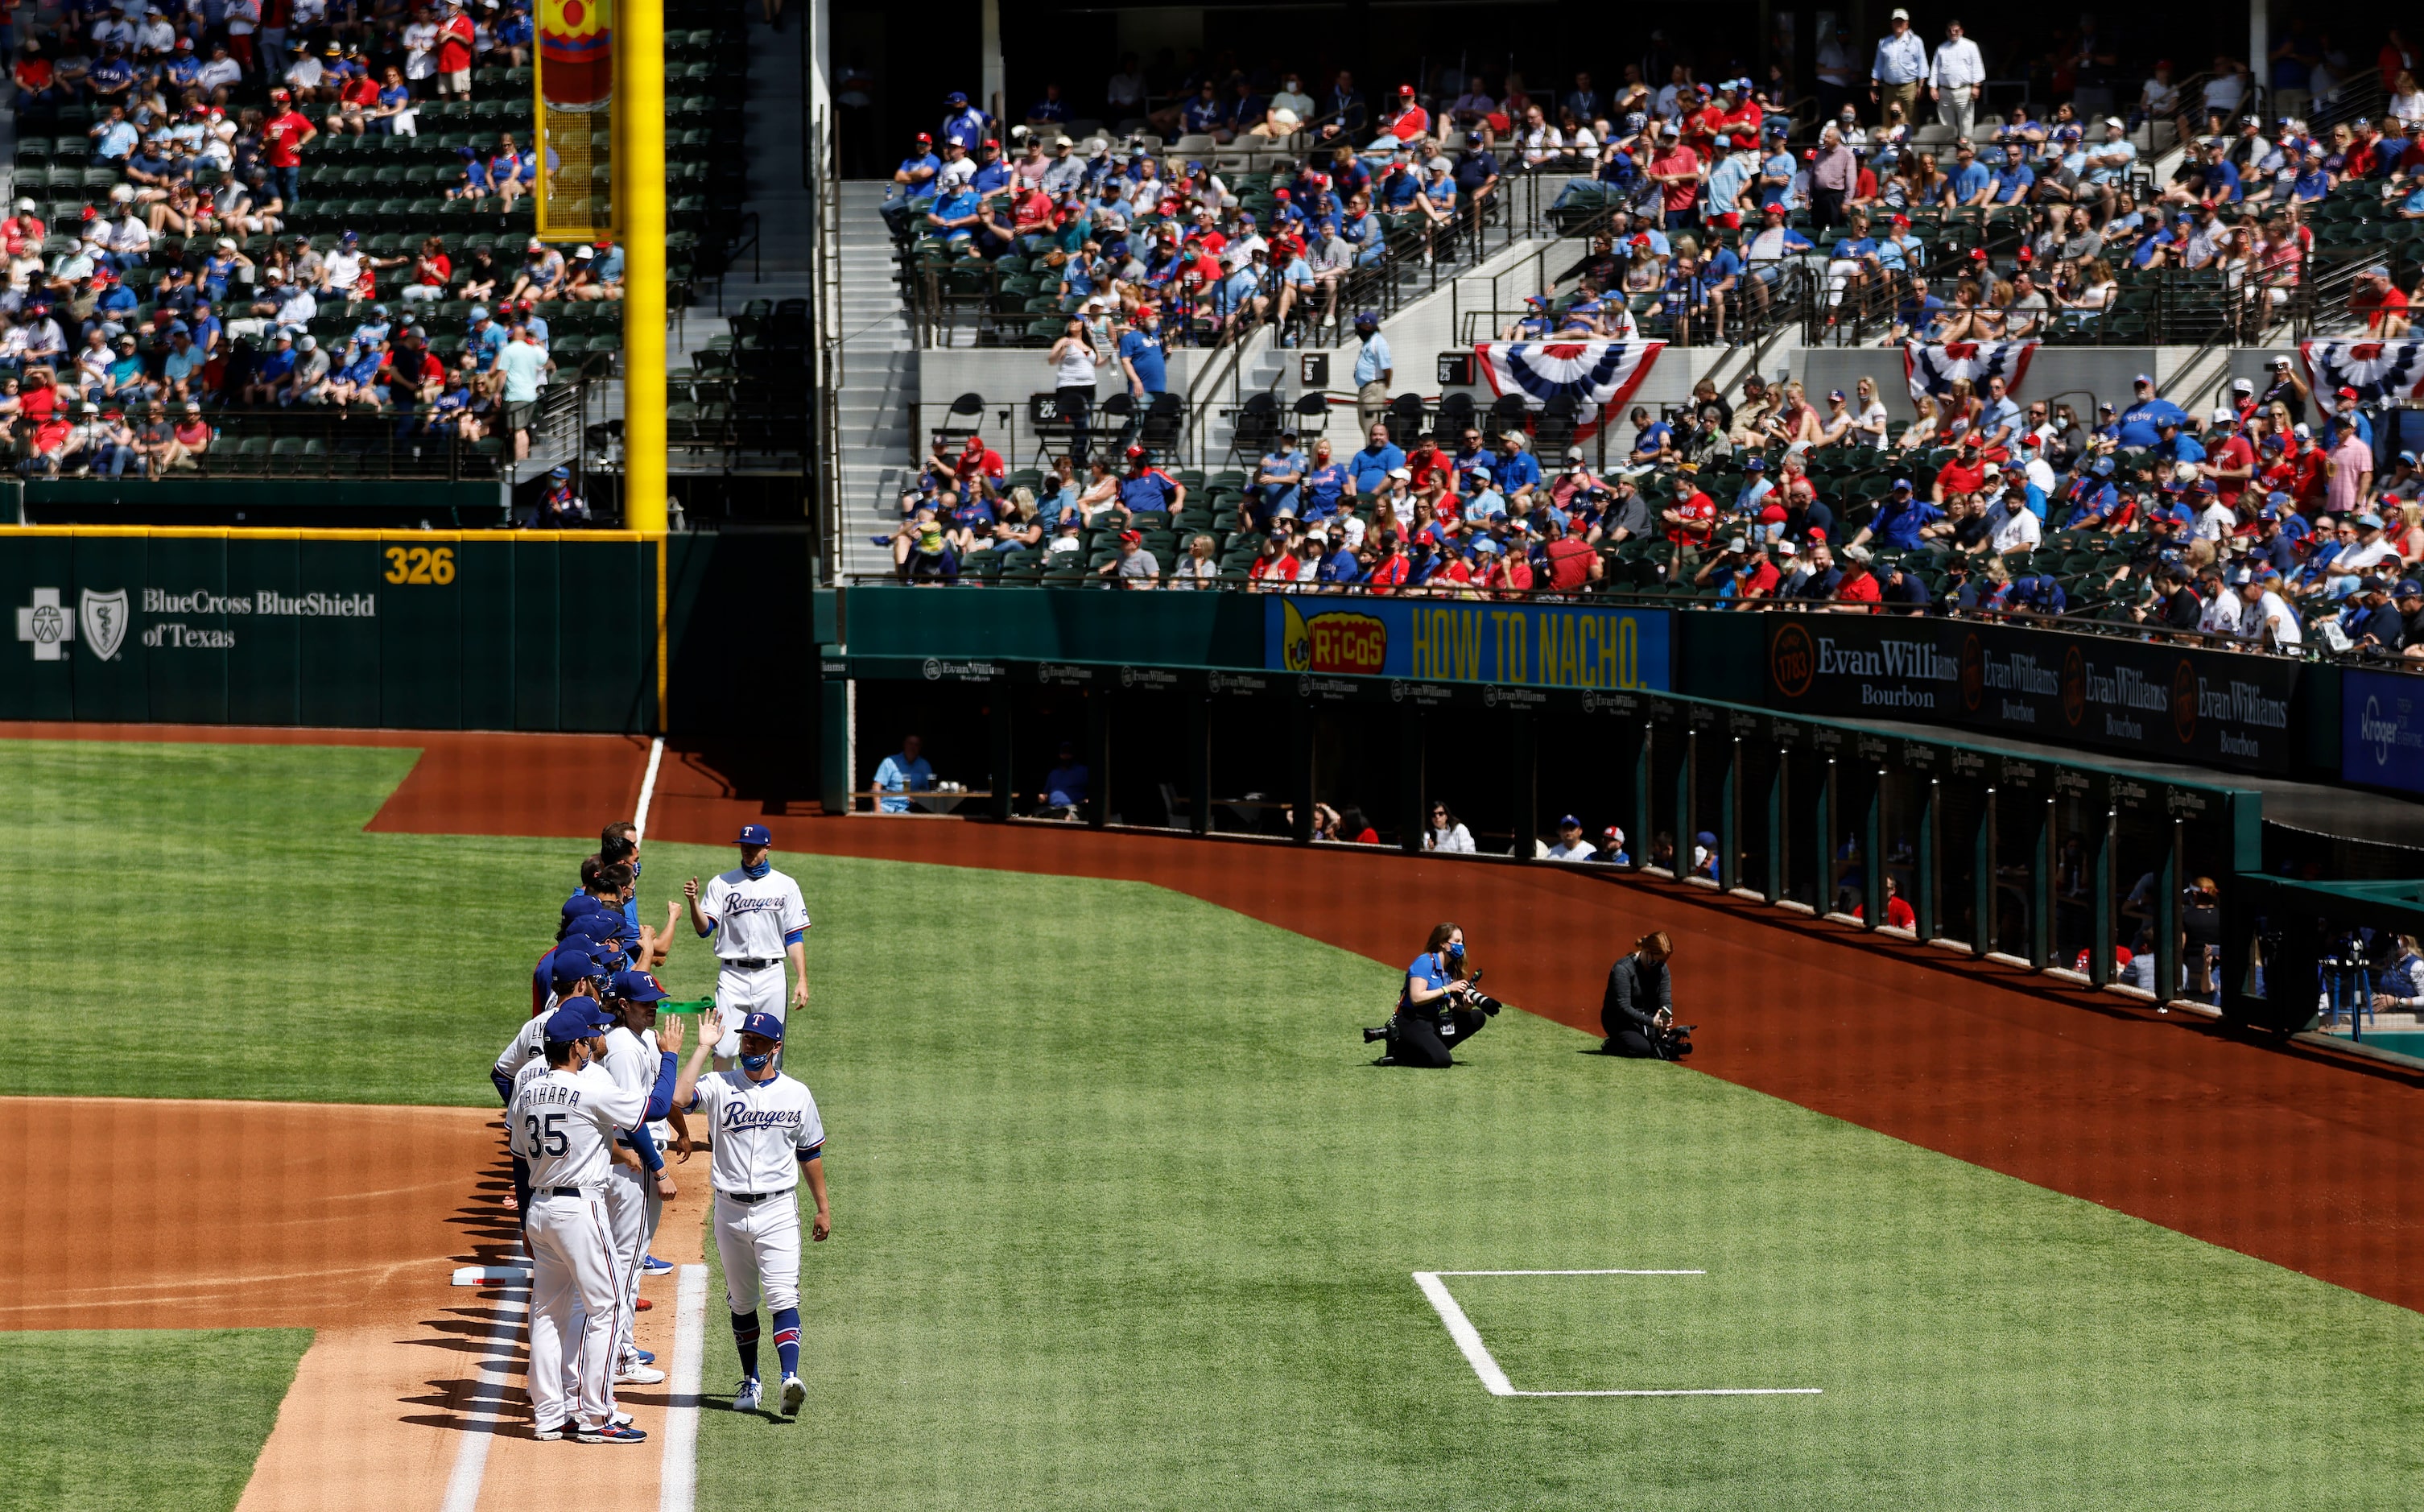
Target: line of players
[[583, 1080]]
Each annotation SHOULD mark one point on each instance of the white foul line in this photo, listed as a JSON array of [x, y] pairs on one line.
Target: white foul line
[[1493, 1379], [677, 1481], [647, 788], [487, 1408]]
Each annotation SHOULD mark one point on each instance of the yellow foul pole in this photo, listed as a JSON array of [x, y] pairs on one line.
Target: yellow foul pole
[[639, 224]]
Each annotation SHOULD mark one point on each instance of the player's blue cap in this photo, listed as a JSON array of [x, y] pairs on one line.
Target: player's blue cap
[[573, 1021], [754, 835], [572, 965], [765, 1026], [598, 924], [637, 986]]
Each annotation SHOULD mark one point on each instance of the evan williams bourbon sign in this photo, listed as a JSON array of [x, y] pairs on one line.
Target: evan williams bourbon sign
[[2140, 698]]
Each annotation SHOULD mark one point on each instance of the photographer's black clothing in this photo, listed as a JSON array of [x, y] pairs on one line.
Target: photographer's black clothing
[[1422, 1038], [1637, 990]]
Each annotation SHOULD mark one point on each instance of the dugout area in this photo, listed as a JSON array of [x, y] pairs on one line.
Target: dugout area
[[1124, 1216]]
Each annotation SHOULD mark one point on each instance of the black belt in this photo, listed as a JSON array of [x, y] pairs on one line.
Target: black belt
[[757, 1197], [751, 965], [564, 1191]]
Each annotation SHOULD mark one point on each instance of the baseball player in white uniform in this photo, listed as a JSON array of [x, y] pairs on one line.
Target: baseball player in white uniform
[[635, 1195], [757, 920], [767, 1139], [562, 1121]]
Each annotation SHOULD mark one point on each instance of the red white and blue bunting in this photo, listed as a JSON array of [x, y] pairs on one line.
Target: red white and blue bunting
[[1931, 369], [2377, 371], [1599, 375]]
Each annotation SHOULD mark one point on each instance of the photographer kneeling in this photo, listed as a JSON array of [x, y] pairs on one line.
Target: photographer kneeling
[[1436, 1006], [1638, 1013]]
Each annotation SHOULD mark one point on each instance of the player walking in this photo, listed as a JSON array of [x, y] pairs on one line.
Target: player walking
[[758, 919], [766, 1127], [562, 1121]]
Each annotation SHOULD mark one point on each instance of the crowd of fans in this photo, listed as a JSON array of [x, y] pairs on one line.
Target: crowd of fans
[[280, 206], [2265, 520], [1721, 189]]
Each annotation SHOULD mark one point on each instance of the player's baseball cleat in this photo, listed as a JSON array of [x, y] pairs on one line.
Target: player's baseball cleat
[[651, 1265], [638, 1376], [747, 1399], [611, 1433], [621, 1420], [793, 1394], [549, 1434], [644, 1357]]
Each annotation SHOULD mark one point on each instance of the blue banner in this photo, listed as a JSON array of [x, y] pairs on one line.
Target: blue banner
[[1533, 645], [2382, 730]]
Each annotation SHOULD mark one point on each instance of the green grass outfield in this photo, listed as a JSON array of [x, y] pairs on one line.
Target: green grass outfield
[[138, 1420], [1126, 1221]]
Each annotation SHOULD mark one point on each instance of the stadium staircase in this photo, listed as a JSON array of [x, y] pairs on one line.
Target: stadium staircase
[[880, 381]]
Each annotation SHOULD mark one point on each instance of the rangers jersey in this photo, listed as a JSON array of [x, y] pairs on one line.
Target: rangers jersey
[[752, 918], [762, 1129]]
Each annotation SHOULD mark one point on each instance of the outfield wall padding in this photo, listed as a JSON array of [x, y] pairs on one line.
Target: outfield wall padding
[[400, 629]]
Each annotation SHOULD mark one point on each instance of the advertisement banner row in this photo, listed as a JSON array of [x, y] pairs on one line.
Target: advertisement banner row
[[1526, 646], [2151, 700]]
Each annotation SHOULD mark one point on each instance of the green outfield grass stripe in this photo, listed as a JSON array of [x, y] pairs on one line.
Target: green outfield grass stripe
[[1124, 1219], [139, 1419]]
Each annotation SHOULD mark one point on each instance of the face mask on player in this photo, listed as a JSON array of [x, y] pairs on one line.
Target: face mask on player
[[753, 873], [753, 1064]]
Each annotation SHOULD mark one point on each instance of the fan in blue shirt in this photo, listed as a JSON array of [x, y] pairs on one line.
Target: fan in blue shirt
[[1966, 180], [1515, 472], [2012, 179], [2142, 423], [1371, 466], [1900, 520]]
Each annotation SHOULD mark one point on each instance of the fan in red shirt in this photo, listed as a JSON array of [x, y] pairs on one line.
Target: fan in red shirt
[[2382, 303], [455, 39], [977, 467], [1965, 475], [1428, 464], [1571, 561], [2308, 475], [2232, 456], [1510, 572], [23, 229], [1860, 585], [411, 373], [1388, 573], [1899, 915], [1411, 119], [1693, 521]]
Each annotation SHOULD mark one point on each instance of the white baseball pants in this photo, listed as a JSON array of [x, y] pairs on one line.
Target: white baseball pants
[[572, 1266], [759, 1243], [632, 1209], [740, 994]]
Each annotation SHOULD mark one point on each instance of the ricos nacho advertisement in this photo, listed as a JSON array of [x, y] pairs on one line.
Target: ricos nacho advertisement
[[1536, 645]]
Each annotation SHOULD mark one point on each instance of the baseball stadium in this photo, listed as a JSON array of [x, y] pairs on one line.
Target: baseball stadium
[[1046, 877]]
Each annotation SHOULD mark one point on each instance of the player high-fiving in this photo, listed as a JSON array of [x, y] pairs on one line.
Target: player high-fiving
[[767, 1140]]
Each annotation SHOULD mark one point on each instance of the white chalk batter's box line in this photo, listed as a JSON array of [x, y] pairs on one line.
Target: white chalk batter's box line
[[1493, 1379]]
